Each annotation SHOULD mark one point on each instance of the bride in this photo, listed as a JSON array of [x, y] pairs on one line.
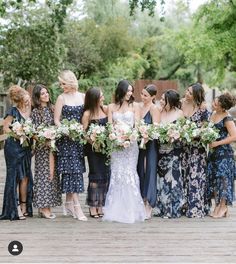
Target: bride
[[123, 201]]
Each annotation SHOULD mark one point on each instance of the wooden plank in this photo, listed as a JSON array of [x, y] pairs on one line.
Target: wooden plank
[[67, 240]]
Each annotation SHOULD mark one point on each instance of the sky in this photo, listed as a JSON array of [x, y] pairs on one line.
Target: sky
[[194, 4]]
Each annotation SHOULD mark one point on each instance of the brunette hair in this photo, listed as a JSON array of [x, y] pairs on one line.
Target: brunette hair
[[227, 101], [198, 94], [36, 93], [91, 101], [121, 91], [152, 90], [173, 98]]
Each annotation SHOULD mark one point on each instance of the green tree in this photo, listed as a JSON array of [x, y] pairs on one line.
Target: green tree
[[83, 52], [30, 53], [210, 42]]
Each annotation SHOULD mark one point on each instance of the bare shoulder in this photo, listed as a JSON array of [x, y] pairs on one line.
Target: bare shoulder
[[86, 113], [203, 106], [111, 107], [105, 108], [180, 113]]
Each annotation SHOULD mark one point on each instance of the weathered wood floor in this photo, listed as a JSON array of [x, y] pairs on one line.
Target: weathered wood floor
[[66, 240]]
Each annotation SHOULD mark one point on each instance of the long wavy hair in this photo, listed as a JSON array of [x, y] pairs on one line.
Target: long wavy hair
[[121, 91], [198, 94], [36, 93], [92, 100], [173, 99]]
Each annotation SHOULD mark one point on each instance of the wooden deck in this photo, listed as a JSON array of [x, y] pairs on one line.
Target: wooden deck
[[66, 240]]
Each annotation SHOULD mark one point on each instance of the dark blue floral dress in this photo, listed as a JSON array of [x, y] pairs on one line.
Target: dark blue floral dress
[[18, 163], [194, 166], [46, 192], [70, 155], [147, 168], [170, 195], [221, 167], [99, 173]]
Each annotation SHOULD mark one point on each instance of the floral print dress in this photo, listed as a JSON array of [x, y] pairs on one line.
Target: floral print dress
[[46, 192], [221, 167], [194, 169]]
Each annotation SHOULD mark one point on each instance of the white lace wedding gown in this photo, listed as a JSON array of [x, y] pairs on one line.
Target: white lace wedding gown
[[123, 201]]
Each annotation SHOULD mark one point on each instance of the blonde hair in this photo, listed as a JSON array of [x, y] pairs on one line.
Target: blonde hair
[[17, 94], [69, 78]]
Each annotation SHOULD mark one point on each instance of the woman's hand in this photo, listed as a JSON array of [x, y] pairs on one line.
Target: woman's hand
[[214, 144]]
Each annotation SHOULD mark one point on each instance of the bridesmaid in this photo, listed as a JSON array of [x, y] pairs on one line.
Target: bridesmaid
[[70, 157], [221, 166], [17, 201], [195, 155], [96, 113], [170, 197], [46, 183], [147, 160]]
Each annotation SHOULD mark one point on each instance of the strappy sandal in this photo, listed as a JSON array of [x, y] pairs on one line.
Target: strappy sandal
[[20, 215], [25, 213]]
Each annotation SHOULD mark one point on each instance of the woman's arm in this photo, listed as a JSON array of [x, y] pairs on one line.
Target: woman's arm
[[156, 114], [85, 119], [110, 110], [230, 125], [58, 108], [105, 109], [6, 123], [136, 113]]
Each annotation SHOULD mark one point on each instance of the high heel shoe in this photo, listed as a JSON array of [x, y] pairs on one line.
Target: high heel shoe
[[24, 212], [68, 209], [148, 210], [100, 212], [20, 215], [79, 213], [43, 215], [221, 214], [93, 215]]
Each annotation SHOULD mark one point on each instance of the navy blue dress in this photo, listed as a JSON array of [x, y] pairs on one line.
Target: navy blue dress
[[170, 195], [70, 155], [99, 173], [18, 164], [221, 167], [195, 172], [148, 176]]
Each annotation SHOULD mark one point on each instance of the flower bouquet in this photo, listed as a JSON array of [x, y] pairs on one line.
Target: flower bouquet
[[72, 129], [120, 136], [23, 131], [97, 135], [46, 134]]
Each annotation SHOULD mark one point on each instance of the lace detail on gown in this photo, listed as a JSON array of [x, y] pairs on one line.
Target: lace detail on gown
[[123, 201]]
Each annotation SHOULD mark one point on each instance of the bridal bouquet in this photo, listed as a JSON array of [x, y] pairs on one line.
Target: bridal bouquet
[[188, 130], [97, 135], [72, 129], [120, 136], [46, 134], [168, 133], [146, 132], [208, 133], [23, 131]]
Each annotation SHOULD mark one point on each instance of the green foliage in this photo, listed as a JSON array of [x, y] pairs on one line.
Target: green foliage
[[145, 5], [210, 42], [83, 55], [30, 53], [54, 91], [107, 85], [132, 67]]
